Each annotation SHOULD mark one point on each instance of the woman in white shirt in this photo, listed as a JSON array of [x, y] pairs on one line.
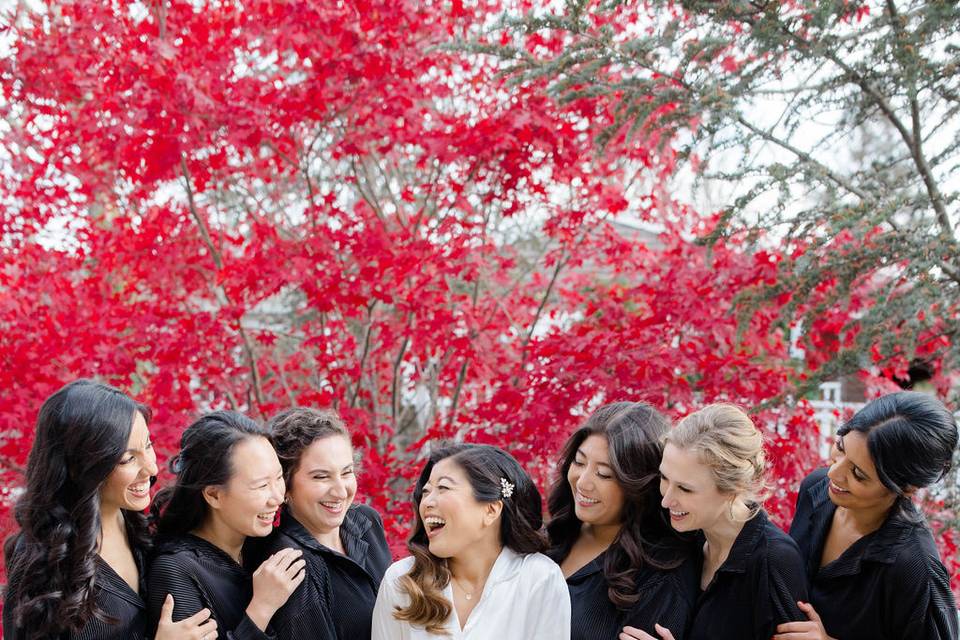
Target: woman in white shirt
[[476, 572]]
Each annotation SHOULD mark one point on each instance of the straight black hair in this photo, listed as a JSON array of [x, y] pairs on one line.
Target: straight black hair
[[911, 438]]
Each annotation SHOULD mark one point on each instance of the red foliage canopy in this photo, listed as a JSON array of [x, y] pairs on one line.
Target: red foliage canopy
[[214, 205]]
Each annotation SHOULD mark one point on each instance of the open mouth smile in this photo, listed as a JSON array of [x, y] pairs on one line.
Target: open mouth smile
[[140, 490], [433, 525], [584, 501]]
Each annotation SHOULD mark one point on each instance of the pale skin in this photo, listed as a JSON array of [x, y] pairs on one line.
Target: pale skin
[[136, 466], [863, 503], [256, 487], [448, 494], [322, 489], [688, 487]]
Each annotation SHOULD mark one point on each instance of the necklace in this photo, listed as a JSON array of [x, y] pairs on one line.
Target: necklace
[[466, 594]]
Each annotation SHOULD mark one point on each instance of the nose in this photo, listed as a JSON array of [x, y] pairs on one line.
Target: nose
[[836, 468], [837, 460], [149, 468], [427, 500], [339, 489], [584, 481], [667, 500], [277, 491]]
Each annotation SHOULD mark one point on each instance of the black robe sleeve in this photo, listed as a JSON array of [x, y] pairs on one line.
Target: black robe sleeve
[[307, 612], [920, 603], [782, 585], [665, 602], [169, 576]]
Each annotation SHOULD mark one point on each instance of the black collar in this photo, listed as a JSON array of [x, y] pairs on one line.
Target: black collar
[[745, 545], [352, 532], [591, 568], [202, 549], [882, 545], [109, 580]]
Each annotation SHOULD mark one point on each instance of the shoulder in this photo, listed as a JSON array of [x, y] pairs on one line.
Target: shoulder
[[174, 554], [276, 541], [916, 560], [398, 569], [389, 591], [536, 568], [780, 551]]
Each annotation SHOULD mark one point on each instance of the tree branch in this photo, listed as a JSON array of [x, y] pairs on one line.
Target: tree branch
[[807, 158], [916, 151], [218, 262], [363, 355]]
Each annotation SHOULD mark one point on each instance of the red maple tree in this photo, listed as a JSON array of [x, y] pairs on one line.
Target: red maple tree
[[293, 202]]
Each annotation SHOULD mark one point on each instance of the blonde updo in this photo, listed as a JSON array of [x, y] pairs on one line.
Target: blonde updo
[[730, 445]]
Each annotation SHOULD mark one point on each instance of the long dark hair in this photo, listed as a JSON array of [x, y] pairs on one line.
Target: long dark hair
[[82, 433], [911, 438], [633, 431], [521, 526], [204, 460]]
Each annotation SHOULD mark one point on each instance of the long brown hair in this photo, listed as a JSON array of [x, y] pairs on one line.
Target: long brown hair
[[521, 527], [633, 431]]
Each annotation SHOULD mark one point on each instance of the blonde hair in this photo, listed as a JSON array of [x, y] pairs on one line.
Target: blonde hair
[[730, 445]]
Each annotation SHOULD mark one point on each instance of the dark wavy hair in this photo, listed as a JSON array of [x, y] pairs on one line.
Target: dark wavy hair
[[293, 430], [521, 526], [911, 438], [206, 448], [633, 431], [81, 435]]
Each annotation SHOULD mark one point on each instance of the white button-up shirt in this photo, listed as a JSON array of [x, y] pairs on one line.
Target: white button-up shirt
[[525, 598]]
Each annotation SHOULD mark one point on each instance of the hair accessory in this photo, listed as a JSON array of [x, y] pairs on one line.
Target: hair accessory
[[176, 464], [506, 488]]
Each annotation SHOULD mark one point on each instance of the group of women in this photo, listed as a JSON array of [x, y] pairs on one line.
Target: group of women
[[654, 532]]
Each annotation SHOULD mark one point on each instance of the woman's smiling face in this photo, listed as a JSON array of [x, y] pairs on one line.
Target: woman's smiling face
[[689, 491], [854, 483], [324, 484], [598, 497], [128, 485], [249, 501], [453, 518]]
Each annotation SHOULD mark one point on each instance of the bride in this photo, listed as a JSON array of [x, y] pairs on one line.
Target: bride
[[476, 572]]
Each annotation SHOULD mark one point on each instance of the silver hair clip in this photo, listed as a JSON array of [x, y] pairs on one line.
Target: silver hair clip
[[506, 488]]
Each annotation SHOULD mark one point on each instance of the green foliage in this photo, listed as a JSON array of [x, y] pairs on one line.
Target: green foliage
[[836, 123]]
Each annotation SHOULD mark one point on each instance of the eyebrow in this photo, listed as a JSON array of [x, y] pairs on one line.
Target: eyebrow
[[855, 465], [326, 470], [141, 448], [686, 485], [447, 478], [262, 478], [580, 452]]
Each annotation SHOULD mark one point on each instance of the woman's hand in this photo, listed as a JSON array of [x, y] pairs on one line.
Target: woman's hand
[[811, 629], [273, 582], [632, 633], [199, 626]]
